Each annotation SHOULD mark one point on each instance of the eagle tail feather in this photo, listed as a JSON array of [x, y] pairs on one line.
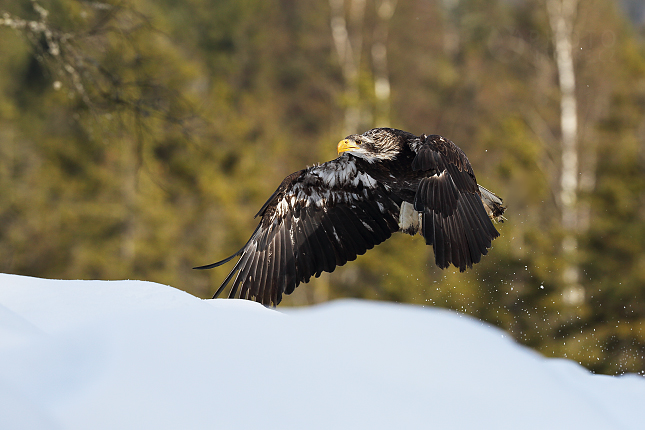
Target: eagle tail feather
[[493, 204]]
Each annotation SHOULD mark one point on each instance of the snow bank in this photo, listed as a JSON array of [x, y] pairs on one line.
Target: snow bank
[[139, 355]]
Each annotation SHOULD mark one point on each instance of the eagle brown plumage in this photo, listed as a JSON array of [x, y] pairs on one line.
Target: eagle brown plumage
[[384, 181]]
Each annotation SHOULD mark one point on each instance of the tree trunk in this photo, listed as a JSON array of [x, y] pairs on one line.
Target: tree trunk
[[451, 28], [561, 18], [384, 11], [348, 40]]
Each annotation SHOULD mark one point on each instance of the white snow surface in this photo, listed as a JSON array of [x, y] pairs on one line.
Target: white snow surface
[[140, 355]]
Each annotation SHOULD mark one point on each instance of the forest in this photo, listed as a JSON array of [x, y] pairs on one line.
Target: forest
[[139, 138]]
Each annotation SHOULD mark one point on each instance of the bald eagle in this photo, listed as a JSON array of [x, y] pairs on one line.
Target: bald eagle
[[385, 180]]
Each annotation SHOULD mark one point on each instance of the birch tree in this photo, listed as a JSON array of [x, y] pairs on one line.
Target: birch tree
[[347, 33], [384, 11], [562, 14]]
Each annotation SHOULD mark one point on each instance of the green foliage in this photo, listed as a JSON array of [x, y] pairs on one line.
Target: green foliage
[[139, 138]]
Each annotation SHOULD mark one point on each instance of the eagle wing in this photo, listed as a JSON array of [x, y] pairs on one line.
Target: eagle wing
[[454, 220], [317, 219]]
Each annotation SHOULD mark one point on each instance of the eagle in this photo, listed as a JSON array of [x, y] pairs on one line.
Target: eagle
[[384, 181]]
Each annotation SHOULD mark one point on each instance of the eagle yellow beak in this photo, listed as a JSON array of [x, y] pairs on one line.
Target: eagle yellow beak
[[347, 145]]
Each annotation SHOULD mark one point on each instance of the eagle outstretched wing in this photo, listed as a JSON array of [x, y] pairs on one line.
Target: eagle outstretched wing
[[317, 219], [453, 218]]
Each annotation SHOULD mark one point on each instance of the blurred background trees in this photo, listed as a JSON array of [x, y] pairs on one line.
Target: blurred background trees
[[139, 138]]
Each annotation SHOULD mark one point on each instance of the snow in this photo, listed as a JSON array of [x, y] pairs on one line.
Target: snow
[[139, 355]]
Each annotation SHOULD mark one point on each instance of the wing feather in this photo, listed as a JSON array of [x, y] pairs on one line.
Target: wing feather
[[278, 269], [255, 273], [303, 256], [312, 223], [340, 224], [473, 251], [320, 247], [479, 230], [454, 220], [288, 258], [318, 253], [338, 243], [267, 292], [332, 250], [372, 213], [362, 236]]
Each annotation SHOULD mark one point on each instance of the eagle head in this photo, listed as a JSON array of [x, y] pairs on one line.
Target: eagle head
[[377, 144]]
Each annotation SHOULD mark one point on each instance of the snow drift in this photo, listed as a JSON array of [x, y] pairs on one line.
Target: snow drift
[[139, 355]]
